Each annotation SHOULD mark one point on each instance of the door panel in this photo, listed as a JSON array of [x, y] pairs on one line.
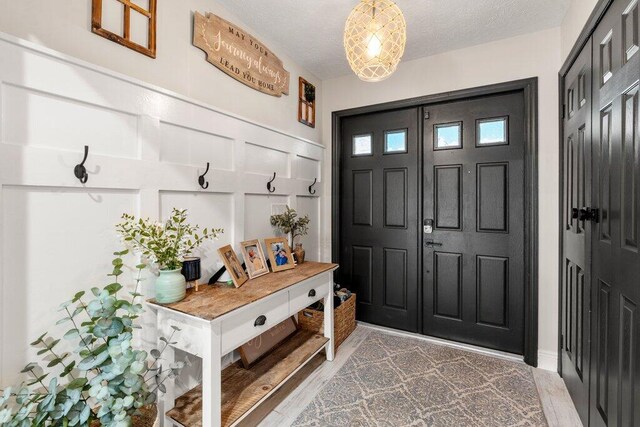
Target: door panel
[[576, 285], [379, 216], [615, 383], [473, 262]]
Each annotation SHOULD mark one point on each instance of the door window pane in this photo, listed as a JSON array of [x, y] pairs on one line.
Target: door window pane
[[492, 132], [395, 141], [362, 145], [448, 136]]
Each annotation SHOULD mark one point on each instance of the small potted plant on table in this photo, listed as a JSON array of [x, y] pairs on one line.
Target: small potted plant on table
[[166, 245], [288, 222]]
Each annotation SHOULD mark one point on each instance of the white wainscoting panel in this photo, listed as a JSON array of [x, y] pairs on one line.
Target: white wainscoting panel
[[55, 242], [147, 147], [257, 214], [39, 119], [266, 161], [307, 205], [195, 147]]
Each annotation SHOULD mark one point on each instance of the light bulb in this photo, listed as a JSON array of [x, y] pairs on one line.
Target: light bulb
[[374, 46]]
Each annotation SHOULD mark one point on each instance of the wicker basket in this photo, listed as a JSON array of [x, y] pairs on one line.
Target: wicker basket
[[344, 320]]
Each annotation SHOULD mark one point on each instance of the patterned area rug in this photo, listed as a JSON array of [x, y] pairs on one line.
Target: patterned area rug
[[399, 381]]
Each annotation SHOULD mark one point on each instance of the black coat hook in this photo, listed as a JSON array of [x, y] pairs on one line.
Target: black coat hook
[[270, 187], [80, 171], [201, 180], [311, 190]]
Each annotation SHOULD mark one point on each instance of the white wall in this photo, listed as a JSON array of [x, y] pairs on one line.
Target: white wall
[[531, 55], [65, 25], [573, 22], [147, 147]]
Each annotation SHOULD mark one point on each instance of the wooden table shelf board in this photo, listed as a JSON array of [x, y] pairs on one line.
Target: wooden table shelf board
[[243, 389]]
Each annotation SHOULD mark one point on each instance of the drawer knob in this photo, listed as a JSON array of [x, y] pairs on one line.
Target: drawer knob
[[312, 293], [260, 321]]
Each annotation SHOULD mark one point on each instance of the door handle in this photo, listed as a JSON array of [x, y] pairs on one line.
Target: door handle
[[431, 243], [312, 293], [575, 213], [589, 214], [260, 321]]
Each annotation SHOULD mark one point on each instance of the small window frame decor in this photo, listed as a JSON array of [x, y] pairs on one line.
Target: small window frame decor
[[252, 270], [503, 119], [233, 265], [125, 38], [306, 103], [437, 126], [272, 256]]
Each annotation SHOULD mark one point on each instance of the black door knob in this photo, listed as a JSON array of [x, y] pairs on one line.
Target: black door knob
[[260, 321], [589, 214], [312, 293], [575, 213]]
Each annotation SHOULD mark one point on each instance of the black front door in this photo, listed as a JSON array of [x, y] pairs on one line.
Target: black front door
[[615, 360], [379, 240], [576, 277], [473, 257]]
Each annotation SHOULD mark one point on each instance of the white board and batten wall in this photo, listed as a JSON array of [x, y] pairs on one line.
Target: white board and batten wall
[[147, 147]]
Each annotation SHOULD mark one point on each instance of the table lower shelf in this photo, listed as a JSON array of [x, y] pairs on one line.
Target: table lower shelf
[[243, 389]]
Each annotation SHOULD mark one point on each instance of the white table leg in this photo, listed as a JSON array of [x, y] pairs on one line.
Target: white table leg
[[328, 324], [168, 357], [212, 378]]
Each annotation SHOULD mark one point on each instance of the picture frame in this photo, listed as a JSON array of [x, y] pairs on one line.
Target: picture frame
[[233, 265], [279, 254], [254, 258]]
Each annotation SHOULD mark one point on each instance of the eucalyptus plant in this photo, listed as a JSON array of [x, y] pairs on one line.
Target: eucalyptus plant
[[105, 378], [289, 223], [166, 244]]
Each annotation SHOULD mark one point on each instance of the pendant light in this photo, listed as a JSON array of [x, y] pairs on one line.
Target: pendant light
[[374, 39]]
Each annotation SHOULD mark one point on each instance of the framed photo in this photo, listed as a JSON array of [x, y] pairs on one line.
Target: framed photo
[[233, 265], [254, 258], [279, 254]]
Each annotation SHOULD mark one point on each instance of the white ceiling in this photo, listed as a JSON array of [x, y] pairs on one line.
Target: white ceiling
[[310, 31]]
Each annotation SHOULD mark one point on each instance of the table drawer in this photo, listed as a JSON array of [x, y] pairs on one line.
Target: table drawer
[[301, 296], [240, 327]]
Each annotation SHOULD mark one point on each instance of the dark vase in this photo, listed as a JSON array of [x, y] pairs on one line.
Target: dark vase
[[299, 252], [191, 269]]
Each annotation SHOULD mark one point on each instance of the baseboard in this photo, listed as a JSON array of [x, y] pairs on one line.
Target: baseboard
[[548, 360]]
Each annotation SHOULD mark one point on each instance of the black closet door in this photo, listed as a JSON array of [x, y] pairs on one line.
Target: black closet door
[[379, 238], [615, 375], [576, 275]]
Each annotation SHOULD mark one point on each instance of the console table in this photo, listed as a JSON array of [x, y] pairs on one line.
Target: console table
[[218, 319]]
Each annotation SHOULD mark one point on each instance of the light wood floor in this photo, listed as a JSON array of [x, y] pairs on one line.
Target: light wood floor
[[284, 406]]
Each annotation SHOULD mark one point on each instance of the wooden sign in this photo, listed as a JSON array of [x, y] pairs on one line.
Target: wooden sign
[[253, 350], [239, 54]]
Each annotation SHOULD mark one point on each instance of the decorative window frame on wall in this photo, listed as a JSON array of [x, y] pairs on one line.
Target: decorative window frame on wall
[[125, 38], [306, 108]]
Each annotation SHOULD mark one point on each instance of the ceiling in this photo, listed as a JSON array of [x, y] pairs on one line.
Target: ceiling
[[310, 31]]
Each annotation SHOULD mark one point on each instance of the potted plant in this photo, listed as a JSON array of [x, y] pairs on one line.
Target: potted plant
[[105, 380], [289, 223], [166, 245]]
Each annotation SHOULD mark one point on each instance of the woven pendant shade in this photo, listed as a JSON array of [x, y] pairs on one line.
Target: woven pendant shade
[[374, 39]]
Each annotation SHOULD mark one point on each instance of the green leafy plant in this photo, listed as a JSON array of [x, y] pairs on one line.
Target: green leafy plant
[[289, 223], [105, 378], [168, 243]]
